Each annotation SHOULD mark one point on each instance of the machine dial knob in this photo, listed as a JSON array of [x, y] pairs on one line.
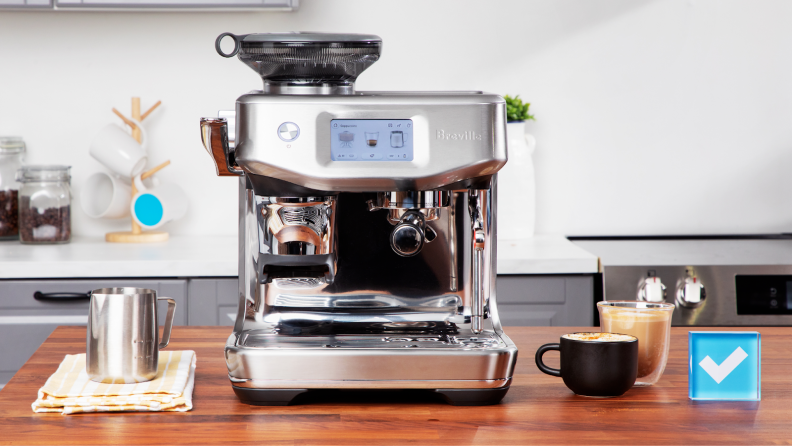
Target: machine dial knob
[[289, 131], [691, 293], [652, 290]]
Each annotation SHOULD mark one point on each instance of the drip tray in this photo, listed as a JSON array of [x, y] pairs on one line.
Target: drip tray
[[268, 340]]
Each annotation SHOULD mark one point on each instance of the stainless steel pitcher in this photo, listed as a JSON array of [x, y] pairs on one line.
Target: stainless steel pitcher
[[123, 337]]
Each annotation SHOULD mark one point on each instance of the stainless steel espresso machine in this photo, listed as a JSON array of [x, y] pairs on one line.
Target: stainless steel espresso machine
[[366, 229]]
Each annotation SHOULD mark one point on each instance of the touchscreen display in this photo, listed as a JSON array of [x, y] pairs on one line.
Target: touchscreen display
[[371, 140]]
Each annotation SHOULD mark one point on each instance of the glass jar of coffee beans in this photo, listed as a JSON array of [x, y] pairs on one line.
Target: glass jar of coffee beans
[[12, 155], [44, 204]]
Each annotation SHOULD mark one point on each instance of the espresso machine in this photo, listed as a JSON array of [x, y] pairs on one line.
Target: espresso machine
[[366, 228]]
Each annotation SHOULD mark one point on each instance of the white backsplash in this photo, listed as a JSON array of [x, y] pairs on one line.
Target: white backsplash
[[653, 116]]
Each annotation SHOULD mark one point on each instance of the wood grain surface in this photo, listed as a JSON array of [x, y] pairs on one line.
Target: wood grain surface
[[539, 409]]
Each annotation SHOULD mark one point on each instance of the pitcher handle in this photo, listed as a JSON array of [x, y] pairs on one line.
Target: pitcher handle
[[166, 332]]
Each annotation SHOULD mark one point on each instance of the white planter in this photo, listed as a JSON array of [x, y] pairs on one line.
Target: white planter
[[517, 186]]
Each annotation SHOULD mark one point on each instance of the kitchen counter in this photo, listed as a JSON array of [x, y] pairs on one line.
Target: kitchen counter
[[537, 409], [216, 256], [181, 256], [545, 254], [674, 252]]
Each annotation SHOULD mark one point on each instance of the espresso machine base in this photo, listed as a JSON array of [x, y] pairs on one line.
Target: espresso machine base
[[464, 369], [286, 397]]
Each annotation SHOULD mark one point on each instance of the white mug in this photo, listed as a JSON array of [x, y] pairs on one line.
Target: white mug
[[119, 152], [155, 206], [106, 196]]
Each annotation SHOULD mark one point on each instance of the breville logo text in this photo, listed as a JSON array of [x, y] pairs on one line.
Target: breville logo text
[[464, 136]]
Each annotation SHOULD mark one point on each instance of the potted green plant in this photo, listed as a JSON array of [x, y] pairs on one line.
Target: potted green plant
[[517, 110], [516, 183], [516, 115]]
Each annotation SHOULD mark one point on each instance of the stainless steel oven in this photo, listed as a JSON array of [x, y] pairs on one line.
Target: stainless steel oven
[[723, 280]]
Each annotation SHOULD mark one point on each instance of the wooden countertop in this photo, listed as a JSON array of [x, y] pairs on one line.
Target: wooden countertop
[[537, 409]]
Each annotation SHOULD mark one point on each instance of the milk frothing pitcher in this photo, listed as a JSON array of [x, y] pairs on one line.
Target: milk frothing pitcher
[[123, 336]]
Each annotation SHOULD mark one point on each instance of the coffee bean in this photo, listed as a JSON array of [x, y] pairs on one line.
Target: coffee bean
[[9, 214], [51, 226]]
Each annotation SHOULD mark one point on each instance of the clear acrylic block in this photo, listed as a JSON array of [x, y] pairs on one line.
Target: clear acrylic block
[[725, 365]]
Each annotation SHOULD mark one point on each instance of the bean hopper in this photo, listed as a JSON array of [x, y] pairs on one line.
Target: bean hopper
[[366, 228]]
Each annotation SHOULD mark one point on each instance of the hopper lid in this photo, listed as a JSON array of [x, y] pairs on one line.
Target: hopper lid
[[305, 58]]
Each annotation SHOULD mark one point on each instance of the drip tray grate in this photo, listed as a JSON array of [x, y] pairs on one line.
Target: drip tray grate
[[270, 340]]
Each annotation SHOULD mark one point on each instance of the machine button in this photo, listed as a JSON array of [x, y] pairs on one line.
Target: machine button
[[288, 131], [652, 290], [372, 156]]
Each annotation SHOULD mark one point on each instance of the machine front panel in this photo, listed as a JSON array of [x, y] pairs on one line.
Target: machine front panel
[[293, 139]]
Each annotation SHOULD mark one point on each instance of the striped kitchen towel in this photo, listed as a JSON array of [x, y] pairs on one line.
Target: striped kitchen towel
[[70, 390]]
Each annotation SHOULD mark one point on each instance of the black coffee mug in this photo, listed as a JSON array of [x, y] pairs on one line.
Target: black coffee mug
[[594, 368]]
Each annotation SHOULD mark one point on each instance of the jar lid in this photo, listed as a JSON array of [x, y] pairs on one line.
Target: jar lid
[[11, 144], [43, 173]]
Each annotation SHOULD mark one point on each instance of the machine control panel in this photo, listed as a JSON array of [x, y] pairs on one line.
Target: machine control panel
[[371, 140], [764, 294]]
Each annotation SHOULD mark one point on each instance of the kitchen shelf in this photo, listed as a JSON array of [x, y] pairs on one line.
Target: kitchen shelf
[[151, 5]]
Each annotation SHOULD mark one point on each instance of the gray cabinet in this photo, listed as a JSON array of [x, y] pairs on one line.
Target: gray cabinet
[[532, 300], [213, 301], [26, 322], [523, 300], [27, 3]]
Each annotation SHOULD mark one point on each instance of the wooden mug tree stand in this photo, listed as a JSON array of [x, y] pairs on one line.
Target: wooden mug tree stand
[[137, 234]]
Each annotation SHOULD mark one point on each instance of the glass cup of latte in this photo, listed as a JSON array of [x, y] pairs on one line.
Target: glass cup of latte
[[650, 323]]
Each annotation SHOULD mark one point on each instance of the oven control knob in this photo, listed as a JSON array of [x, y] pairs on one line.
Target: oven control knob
[[652, 290], [691, 293]]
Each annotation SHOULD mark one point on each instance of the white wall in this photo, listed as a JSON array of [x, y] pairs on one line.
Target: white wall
[[654, 117]]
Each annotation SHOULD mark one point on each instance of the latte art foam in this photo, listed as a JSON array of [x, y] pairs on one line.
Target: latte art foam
[[599, 337]]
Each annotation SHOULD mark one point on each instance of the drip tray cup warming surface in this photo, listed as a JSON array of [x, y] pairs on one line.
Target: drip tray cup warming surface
[[464, 361]]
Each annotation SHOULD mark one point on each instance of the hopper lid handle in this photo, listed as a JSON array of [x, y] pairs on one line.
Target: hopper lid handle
[[237, 44]]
